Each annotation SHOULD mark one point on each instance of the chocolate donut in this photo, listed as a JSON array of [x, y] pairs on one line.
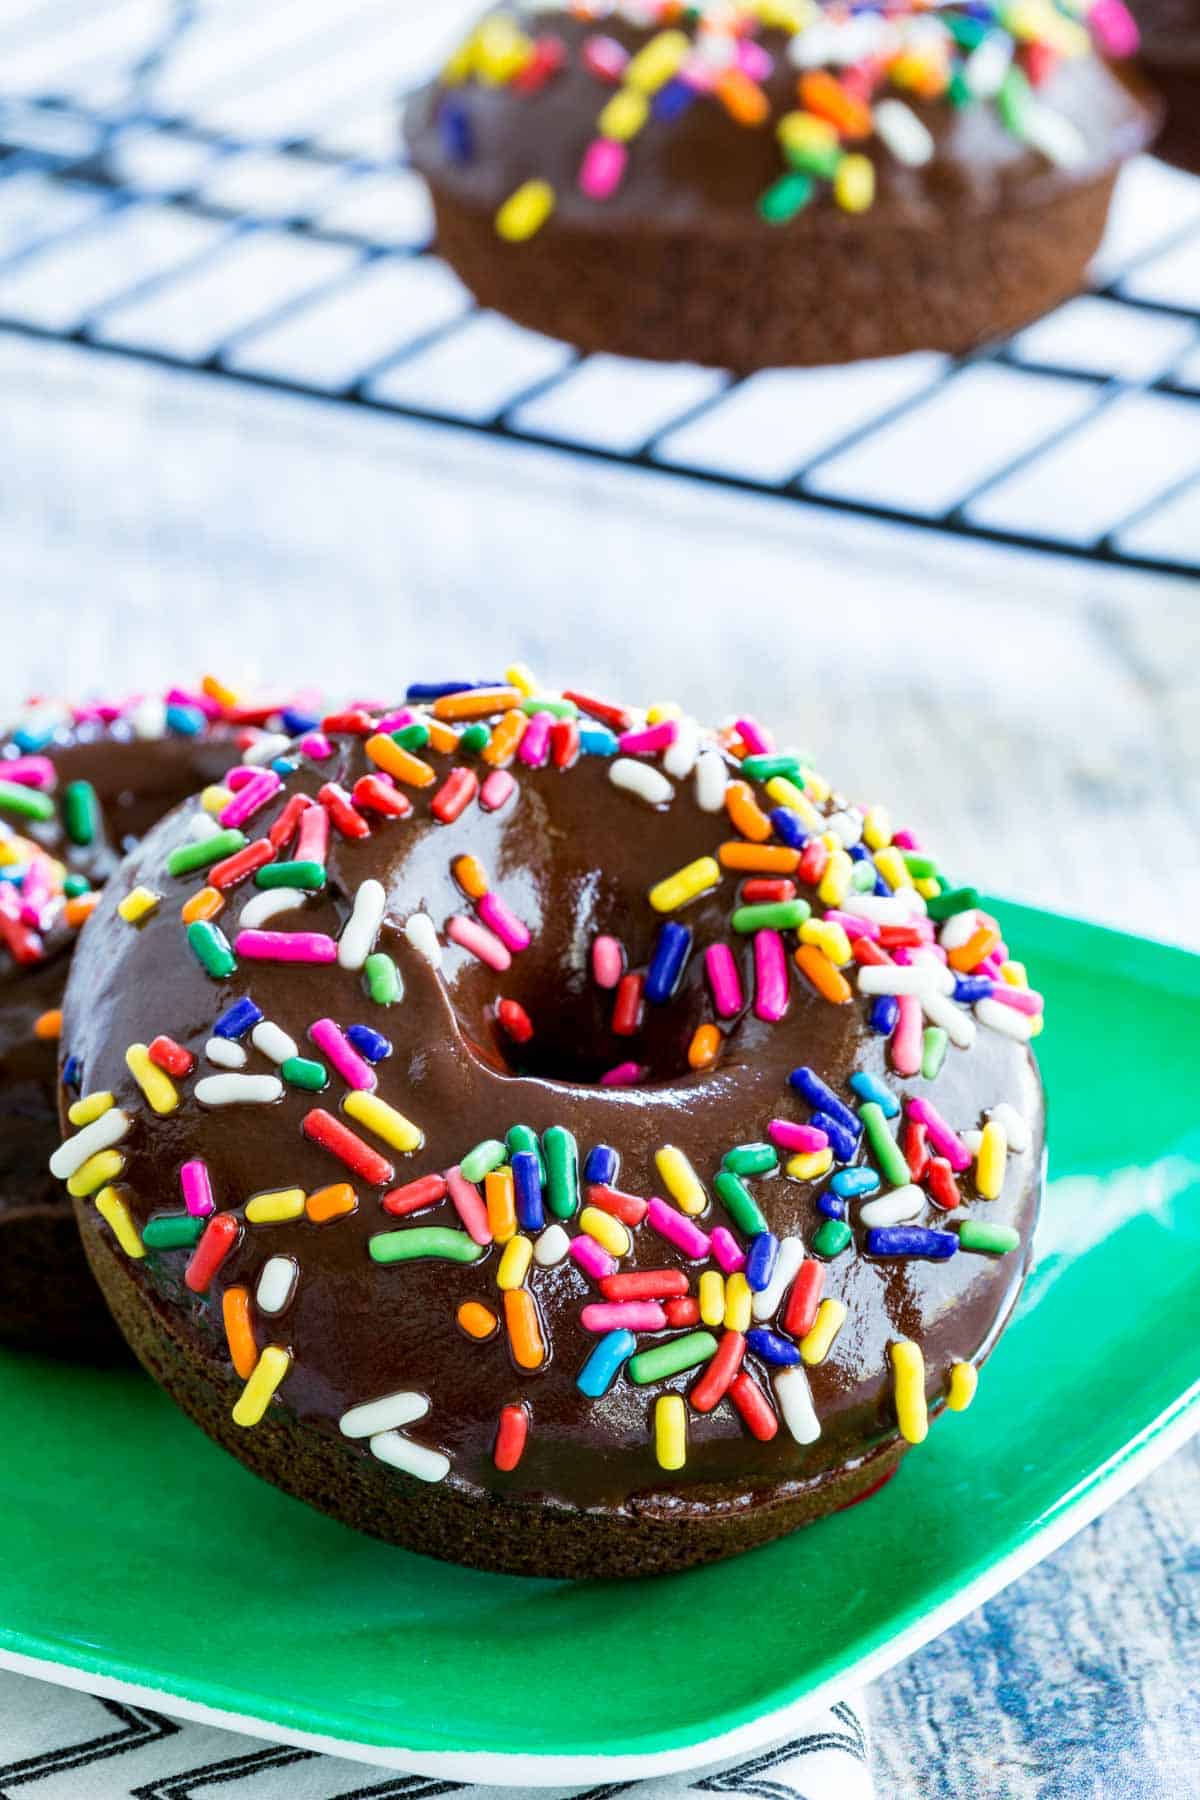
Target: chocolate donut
[[1170, 55], [758, 185], [573, 1142], [78, 786]]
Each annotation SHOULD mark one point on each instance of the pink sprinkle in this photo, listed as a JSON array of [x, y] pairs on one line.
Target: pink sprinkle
[[468, 1204], [312, 835], [770, 976], [605, 58], [727, 1251], [907, 1039], [852, 925], [1022, 1000], [481, 942], [592, 1258], [602, 168], [237, 778], [649, 739], [316, 745], [263, 785], [396, 721], [626, 1074], [903, 956], [947, 1143], [202, 702], [506, 926], [496, 790], [534, 746], [30, 771], [286, 946], [608, 961], [752, 734], [623, 1315], [197, 1189], [678, 1230], [753, 60], [905, 840], [724, 980], [806, 1139], [1113, 28], [354, 1071]]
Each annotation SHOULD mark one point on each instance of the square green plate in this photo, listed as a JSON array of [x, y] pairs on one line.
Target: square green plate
[[141, 1561]]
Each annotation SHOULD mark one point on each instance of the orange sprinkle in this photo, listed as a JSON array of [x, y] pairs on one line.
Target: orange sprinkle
[[331, 1203], [747, 815], [387, 755], [981, 943], [217, 690], [704, 1048], [81, 908], [823, 94], [441, 737], [524, 1328], [742, 98], [506, 735], [476, 1319], [501, 1208], [239, 1333], [48, 1024], [474, 703], [759, 859], [825, 976], [471, 876], [205, 904]]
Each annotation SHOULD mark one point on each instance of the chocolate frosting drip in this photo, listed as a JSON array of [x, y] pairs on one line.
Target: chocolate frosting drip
[[572, 856]]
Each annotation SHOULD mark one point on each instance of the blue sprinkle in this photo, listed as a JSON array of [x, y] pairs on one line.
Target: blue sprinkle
[[295, 721], [771, 1347], [527, 1186], [28, 741], [436, 690], [369, 1043], [872, 1089], [666, 965], [454, 126], [596, 1376], [73, 1073], [285, 766], [843, 1142], [806, 1081], [789, 827], [672, 99], [859, 853], [885, 1014], [882, 889], [238, 1019], [831, 1206], [187, 721], [851, 1182], [911, 1240], [760, 1260], [602, 1165], [15, 873], [970, 988], [597, 740]]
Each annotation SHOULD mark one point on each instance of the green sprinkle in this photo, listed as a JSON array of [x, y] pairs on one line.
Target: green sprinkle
[[523, 1137], [921, 868], [474, 739], [562, 709], [81, 812], [862, 877], [739, 1203], [1014, 101], [440, 1241], [966, 32], [958, 93], [74, 885], [995, 1240], [211, 948], [26, 802], [954, 900], [482, 1159], [785, 198], [383, 979], [751, 1159], [309, 875], [775, 915], [411, 737], [189, 857], [172, 1231], [814, 159], [762, 768], [933, 1051], [884, 1147], [303, 1072], [562, 1171], [672, 1358], [831, 1237]]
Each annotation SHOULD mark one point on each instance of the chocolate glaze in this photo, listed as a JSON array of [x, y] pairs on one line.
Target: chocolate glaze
[[572, 856]]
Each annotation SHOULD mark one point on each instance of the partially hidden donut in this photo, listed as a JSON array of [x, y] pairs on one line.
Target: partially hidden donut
[[568, 1141], [78, 786], [756, 185], [1170, 56]]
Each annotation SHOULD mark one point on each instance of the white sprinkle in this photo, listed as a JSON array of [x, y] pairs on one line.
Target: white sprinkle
[[1014, 1124], [238, 1090], [711, 779], [902, 1203], [101, 1134], [266, 749], [954, 1019], [148, 718], [972, 1139], [276, 1284], [909, 141], [885, 909], [893, 978], [791, 1255], [679, 758], [202, 825], [649, 784], [421, 933], [268, 905], [958, 928], [273, 1041], [550, 1247], [795, 1403], [1005, 1019], [847, 827], [984, 70], [391, 1413], [1058, 138], [414, 1459], [225, 1053], [358, 933]]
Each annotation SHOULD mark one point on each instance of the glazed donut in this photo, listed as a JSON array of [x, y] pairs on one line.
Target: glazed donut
[[78, 786], [564, 1140]]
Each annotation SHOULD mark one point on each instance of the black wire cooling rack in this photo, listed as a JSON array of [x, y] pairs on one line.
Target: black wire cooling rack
[[215, 184]]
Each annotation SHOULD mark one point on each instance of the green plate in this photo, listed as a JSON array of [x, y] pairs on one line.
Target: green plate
[[141, 1561]]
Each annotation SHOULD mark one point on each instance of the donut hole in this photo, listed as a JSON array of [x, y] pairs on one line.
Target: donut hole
[[573, 1040]]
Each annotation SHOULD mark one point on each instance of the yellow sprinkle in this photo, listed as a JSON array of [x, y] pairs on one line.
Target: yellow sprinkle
[[670, 1431], [215, 799], [817, 786], [831, 1316], [1014, 973], [892, 867], [255, 1397], [681, 1180], [738, 1298], [688, 883], [990, 1163], [810, 1165], [785, 793], [89, 1107], [657, 61], [607, 1231], [514, 1263], [624, 115], [927, 887], [712, 1297], [461, 64], [276, 1207], [112, 1208], [831, 939], [854, 183], [908, 1366], [501, 50], [95, 1173], [383, 1120], [154, 1082], [801, 132], [138, 902], [1038, 1026], [964, 1380], [877, 828], [525, 211], [520, 676], [663, 709]]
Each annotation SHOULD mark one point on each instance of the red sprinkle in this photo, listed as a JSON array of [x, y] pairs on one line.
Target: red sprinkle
[[645, 1284], [804, 1299], [895, 937], [564, 743], [865, 950], [235, 868], [335, 1137], [755, 1408], [514, 1021], [616, 717], [510, 1436], [283, 830], [336, 802], [916, 1149], [455, 795], [627, 1207], [415, 1195], [682, 1312], [761, 890], [718, 1375], [217, 1240], [549, 55], [943, 1189], [355, 720], [166, 1054], [813, 861], [378, 797], [627, 1008]]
